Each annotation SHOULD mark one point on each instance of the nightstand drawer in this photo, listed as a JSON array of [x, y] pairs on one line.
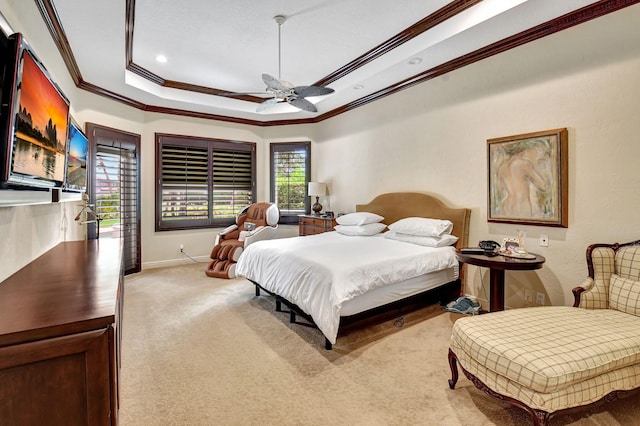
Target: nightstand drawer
[[312, 225], [315, 221]]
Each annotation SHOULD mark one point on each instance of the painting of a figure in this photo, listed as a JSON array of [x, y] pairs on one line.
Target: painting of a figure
[[527, 178]]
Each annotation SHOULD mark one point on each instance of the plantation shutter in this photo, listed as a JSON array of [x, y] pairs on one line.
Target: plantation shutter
[[202, 182], [116, 197], [185, 174], [107, 194], [232, 182], [290, 174]]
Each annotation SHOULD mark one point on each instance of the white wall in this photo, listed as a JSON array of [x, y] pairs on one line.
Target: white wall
[[432, 138], [162, 248], [26, 232]]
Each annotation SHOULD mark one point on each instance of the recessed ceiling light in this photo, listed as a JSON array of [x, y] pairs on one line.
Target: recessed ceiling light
[[358, 87], [161, 58], [415, 61]]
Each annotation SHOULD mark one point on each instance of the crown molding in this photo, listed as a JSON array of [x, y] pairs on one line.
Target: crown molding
[[571, 19]]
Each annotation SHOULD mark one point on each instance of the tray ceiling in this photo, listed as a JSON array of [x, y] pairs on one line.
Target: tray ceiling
[[362, 49]]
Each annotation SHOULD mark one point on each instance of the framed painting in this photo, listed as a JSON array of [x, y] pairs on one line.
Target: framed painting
[[528, 179]]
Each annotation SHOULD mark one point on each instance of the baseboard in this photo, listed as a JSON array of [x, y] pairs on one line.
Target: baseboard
[[175, 262], [484, 303]]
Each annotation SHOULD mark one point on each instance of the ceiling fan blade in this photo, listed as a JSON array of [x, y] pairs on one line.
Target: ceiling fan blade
[[273, 83], [308, 91], [264, 105], [303, 104]]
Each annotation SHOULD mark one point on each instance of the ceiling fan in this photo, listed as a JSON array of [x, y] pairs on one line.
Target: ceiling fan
[[283, 91]]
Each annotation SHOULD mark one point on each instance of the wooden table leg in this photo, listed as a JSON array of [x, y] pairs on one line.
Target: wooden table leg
[[496, 278]]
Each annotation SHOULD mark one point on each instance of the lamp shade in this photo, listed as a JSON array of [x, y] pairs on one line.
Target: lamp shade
[[317, 189]]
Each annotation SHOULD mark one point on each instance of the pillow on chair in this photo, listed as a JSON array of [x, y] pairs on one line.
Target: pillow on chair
[[624, 295]]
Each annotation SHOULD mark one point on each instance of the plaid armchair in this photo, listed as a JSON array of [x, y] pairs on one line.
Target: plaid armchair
[[604, 260]]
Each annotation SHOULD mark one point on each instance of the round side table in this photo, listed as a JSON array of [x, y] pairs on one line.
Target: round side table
[[497, 265]]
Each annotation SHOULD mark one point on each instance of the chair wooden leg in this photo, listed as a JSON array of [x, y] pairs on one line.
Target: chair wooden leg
[[539, 417], [453, 364]]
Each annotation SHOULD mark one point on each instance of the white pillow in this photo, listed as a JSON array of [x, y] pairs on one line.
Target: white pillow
[[442, 241], [422, 226], [362, 230], [624, 295], [359, 218]]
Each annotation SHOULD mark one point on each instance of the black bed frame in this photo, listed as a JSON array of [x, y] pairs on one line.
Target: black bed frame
[[442, 294]]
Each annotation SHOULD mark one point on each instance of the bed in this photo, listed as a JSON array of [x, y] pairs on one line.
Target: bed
[[333, 280]]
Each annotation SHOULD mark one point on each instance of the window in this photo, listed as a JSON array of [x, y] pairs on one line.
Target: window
[[202, 182], [290, 174], [113, 171]]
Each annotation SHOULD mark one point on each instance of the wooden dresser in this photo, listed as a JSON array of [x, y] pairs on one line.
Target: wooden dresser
[[60, 332], [312, 225]]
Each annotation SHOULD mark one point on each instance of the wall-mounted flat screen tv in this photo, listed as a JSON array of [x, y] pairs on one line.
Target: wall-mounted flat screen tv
[[78, 145], [5, 49], [7, 52], [34, 144]]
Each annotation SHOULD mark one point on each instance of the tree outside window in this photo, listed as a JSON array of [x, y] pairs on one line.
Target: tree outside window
[[290, 174]]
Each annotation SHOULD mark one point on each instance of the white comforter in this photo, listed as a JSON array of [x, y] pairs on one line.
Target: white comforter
[[320, 272]]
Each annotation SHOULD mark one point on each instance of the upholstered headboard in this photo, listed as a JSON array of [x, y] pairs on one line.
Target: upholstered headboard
[[398, 205]]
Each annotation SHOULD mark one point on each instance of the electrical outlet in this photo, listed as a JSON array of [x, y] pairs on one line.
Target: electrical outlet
[[544, 241], [540, 298], [181, 248], [527, 297]]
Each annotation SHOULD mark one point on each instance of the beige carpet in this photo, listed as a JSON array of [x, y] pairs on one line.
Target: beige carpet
[[203, 351]]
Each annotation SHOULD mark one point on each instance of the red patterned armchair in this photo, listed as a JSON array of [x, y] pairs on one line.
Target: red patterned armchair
[[254, 223]]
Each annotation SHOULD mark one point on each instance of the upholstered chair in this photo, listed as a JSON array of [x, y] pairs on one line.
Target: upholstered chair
[[254, 223], [604, 260], [561, 358]]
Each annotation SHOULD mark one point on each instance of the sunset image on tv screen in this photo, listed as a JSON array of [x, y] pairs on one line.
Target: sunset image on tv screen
[[41, 128], [77, 160]]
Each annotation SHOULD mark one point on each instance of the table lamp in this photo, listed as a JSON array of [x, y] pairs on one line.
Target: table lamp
[[316, 189]]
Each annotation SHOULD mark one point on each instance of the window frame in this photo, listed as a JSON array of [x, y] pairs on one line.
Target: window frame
[[289, 147], [212, 145]]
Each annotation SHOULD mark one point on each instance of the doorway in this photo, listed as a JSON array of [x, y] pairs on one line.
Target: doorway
[[114, 189]]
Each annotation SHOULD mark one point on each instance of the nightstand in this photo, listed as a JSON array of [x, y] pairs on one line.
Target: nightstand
[[312, 225]]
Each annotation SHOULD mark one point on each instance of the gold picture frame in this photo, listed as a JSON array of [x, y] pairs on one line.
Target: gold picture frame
[[528, 180]]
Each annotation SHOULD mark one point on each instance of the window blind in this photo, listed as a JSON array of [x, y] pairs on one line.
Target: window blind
[[113, 170], [108, 177], [185, 174], [232, 182], [202, 182]]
